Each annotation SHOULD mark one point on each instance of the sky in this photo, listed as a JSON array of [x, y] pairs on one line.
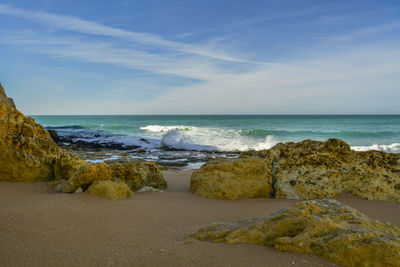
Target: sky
[[201, 57]]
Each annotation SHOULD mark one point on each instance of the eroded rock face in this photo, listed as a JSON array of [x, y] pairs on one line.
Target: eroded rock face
[[232, 179], [27, 152], [111, 190], [322, 227], [138, 174], [4, 99], [309, 170], [313, 169]]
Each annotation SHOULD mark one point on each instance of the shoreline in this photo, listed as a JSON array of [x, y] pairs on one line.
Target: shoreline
[[42, 226]]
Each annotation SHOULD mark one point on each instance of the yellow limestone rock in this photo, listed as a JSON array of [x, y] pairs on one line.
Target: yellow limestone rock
[[322, 227], [85, 175], [27, 152], [111, 190], [138, 174], [314, 169], [232, 179], [4, 99]]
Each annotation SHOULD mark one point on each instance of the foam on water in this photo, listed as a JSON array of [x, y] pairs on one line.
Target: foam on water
[[163, 129], [393, 148], [213, 139]]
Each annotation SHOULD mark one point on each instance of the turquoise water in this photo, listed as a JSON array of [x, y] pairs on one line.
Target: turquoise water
[[230, 133]]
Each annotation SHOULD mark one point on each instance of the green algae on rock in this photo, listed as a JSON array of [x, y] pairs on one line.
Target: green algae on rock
[[232, 179], [322, 227]]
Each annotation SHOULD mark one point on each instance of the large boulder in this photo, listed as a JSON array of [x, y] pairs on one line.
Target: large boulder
[[85, 175], [111, 190], [138, 173], [322, 227], [314, 169], [232, 179], [27, 152], [4, 99], [307, 170]]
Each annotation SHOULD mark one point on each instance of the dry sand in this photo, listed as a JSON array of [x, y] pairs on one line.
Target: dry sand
[[39, 227]]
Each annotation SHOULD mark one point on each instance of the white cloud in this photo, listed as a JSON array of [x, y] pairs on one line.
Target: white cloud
[[94, 28]]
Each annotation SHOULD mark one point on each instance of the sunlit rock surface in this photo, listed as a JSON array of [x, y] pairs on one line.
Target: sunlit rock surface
[[232, 179], [4, 99], [314, 169], [27, 152], [138, 174], [111, 190], [87, 174], [304, 170], [322, 227]]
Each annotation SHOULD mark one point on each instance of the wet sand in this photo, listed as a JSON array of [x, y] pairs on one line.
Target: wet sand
[[40, 227]]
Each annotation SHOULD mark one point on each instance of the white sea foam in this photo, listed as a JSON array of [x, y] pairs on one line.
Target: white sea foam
[[163, 129], [214, 139], [394, 148]]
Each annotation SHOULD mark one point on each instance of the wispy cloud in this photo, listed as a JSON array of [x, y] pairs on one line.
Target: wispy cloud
[[94, 28]]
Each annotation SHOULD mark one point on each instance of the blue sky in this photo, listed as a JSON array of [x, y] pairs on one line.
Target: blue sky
[[201, 57]]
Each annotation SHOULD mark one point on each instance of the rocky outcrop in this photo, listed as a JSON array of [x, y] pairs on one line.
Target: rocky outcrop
[[111, 190], [85, 175], [4, 99], [322, 227], [138, 173], [27, 152], [312, 169], [232, 179]]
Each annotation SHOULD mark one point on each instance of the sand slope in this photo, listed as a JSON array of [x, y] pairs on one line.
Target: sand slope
[[40, 227]]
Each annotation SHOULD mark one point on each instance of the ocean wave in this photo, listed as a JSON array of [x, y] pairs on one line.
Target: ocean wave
[[393, 148], [175, 140], [214, 139]]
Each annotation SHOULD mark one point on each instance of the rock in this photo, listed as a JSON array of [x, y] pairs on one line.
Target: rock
[[27, 152], [309, 169], [304, 170], [111, 190], [4, 99], [322, 227], [87, 174], [313, 169], [140, 150], [138, 174], [374, 175], [66, 166], [54, 136], [232, 179]]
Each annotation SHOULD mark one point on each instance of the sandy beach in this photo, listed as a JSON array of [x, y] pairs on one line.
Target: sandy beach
[[46, 228]]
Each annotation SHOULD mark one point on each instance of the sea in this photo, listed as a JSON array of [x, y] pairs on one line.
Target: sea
[[190, 140]]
